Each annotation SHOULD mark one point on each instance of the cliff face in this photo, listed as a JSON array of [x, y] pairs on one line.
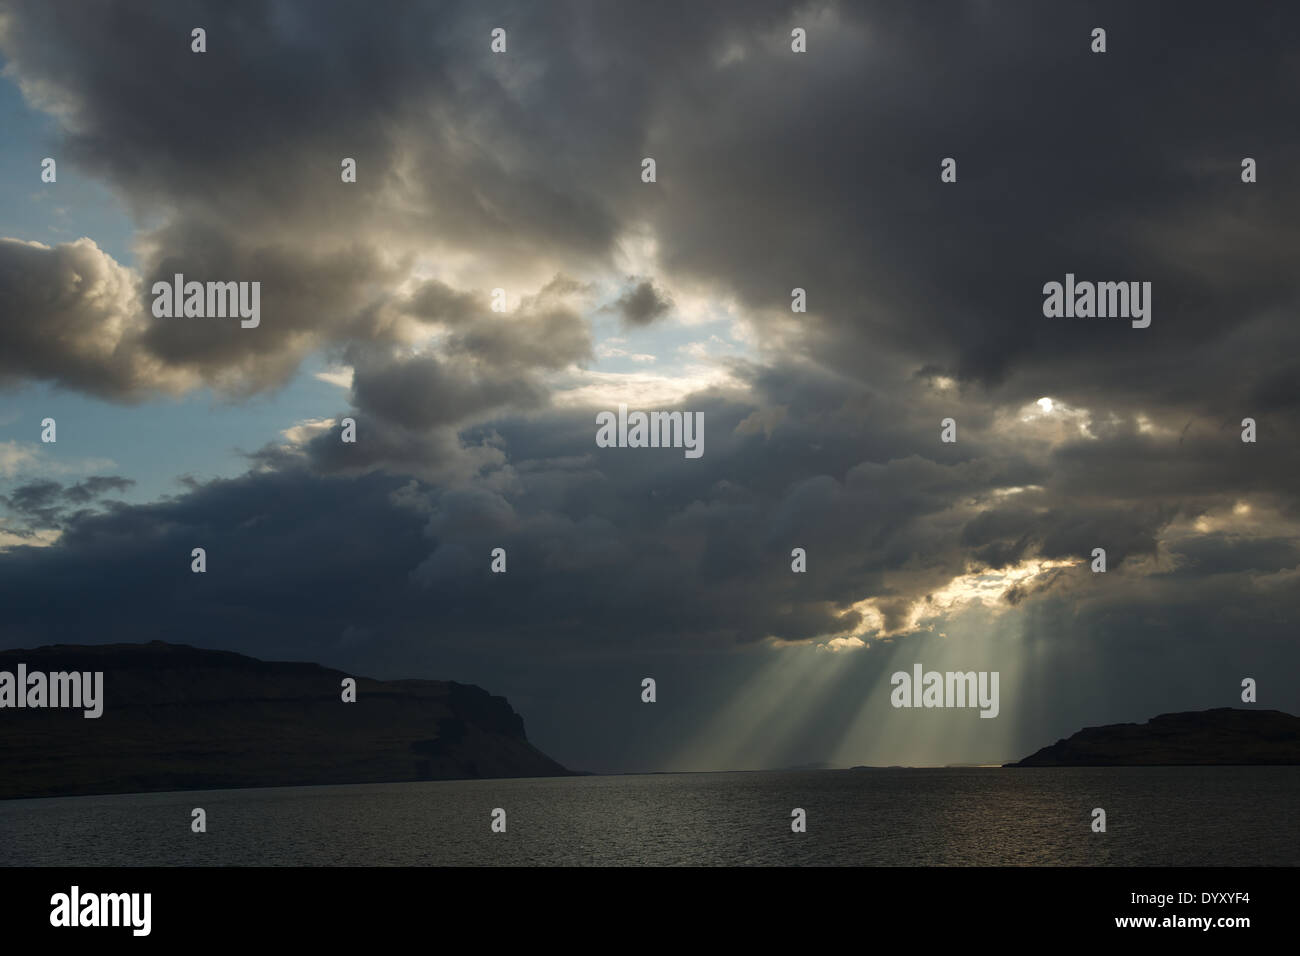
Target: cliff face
[[178, 717], [1223, 736]]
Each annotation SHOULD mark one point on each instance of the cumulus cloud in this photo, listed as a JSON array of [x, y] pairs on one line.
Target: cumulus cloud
[[72, 316]]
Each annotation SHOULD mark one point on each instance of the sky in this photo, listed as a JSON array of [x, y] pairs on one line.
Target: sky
[[774, 170]]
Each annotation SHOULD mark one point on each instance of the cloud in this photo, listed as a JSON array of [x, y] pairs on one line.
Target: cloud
[[14, 456], [44, 503], [72, 317], [643, 558], [818, 171], [499, 171], [643, 304]]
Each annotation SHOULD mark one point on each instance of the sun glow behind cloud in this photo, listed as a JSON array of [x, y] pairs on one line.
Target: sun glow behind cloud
[[985, 588]]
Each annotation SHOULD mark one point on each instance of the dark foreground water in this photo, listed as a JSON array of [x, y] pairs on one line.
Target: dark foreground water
[[1155, 817]]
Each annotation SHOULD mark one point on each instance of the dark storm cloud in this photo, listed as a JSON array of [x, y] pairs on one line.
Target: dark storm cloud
[[422, 392], [619, 549], [1060, 170], [45, 502], [432, 453], [643, 304], [313, 297], [623, 561], [247, 184], [861, 482], [544, 333], [438, 302], [818, 170], [37, 499], [483, 364]]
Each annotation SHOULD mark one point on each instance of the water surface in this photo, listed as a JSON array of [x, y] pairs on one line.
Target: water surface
[[1165, 816]]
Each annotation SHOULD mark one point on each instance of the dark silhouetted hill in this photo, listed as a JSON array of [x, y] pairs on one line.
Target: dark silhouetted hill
[[179, 718], [1223, 736]]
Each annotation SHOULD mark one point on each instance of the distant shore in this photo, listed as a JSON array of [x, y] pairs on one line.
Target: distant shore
[[1224, 736]]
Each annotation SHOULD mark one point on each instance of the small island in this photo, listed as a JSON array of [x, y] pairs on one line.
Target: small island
[[1224, 736]]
